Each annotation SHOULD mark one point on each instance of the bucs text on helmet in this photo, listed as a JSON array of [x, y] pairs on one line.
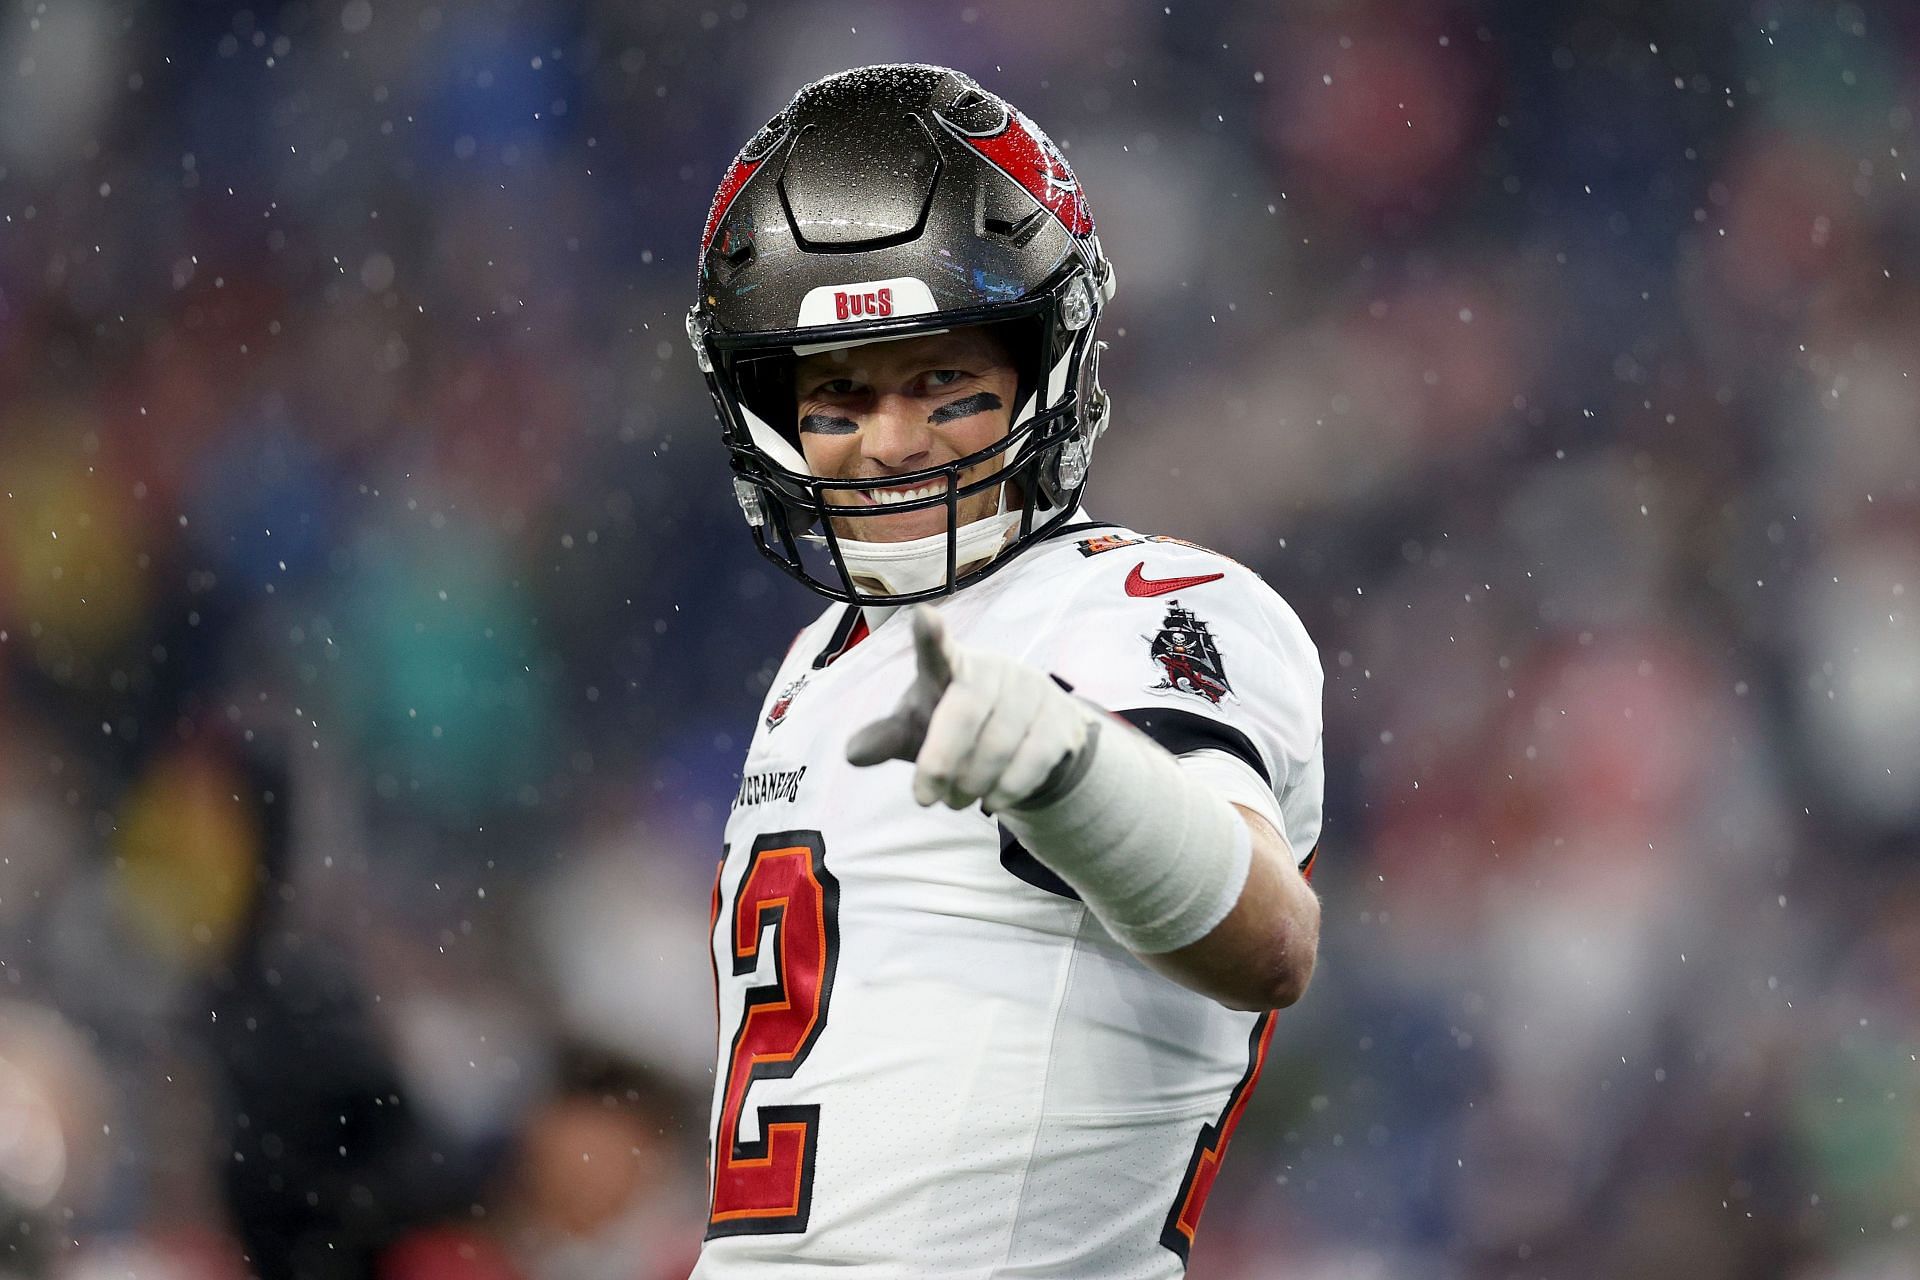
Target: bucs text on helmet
[[891, 202]]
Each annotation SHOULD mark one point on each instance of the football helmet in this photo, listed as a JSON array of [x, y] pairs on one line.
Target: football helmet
[[892, 202]]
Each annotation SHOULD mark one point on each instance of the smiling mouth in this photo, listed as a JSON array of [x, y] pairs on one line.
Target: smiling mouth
[[887, 497], [902, 493]]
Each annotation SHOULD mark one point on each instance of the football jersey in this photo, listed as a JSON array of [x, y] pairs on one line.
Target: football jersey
[[933, 1060]]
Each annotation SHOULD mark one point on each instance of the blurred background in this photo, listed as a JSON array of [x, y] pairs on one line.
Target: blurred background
[[379, 638]]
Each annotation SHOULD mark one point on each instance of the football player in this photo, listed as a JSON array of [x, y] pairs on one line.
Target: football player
[[1016, 874]]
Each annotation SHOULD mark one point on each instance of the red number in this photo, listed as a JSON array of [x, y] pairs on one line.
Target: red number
[[766, 1186], [1211, 1148]]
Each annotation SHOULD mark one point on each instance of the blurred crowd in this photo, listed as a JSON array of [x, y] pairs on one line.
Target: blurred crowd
[[379, 639]]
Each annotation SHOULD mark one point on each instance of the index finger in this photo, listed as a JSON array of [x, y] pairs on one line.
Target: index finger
[[930, 646]]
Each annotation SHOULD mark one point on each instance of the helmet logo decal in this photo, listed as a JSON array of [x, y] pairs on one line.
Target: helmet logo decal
[[865, 300], [1028, 156], [1059, 179], [849, 306]]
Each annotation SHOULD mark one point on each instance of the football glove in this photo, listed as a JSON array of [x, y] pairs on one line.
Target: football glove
[[977, 726]]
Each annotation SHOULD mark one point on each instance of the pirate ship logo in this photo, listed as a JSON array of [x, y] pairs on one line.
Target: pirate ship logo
[[1189, 660], [778, 711]]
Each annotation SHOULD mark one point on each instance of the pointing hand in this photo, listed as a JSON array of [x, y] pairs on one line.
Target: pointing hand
[[978, 726]]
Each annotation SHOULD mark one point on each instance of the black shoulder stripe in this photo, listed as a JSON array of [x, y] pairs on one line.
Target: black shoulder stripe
[[1183, 731], [1179, 732], [1015, 858], [842, 632]]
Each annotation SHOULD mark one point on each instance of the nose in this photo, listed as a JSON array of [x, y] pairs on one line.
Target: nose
[[896, 435]]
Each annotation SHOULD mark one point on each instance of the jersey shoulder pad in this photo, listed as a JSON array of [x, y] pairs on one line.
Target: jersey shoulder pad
[[1164, 627]]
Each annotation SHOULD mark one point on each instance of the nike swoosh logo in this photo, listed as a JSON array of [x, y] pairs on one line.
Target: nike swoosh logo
[[1138, 584]]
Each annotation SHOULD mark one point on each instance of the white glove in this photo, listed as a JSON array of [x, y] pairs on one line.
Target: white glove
[[976, 725]]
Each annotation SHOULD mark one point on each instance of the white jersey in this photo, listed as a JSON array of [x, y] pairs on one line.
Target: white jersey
[[933, 1060]]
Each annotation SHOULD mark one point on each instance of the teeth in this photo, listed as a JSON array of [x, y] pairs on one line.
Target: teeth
[[886, 497]]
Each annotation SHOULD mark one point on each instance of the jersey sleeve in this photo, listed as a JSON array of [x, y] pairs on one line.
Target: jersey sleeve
[[1203, 657]]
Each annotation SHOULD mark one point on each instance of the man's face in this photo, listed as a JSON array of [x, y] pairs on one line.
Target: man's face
[[889, 408]]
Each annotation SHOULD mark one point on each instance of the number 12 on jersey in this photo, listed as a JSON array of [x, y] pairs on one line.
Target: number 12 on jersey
[[765, 1186]]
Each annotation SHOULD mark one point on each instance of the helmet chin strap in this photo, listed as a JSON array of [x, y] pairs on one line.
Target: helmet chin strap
[[920, 564]]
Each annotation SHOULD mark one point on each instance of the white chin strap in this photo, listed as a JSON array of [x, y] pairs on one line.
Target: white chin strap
[[920, 564]]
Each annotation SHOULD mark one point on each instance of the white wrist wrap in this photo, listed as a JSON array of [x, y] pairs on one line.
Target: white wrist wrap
[[1158, 857]]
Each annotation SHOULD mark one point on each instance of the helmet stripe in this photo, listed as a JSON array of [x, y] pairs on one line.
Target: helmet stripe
[[737, 174]]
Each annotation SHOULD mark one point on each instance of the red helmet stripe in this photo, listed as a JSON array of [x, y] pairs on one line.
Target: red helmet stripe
[[1025, 154], [737, 174]]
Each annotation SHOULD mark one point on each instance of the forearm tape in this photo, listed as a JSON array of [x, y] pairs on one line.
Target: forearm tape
[[1159, 858]]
